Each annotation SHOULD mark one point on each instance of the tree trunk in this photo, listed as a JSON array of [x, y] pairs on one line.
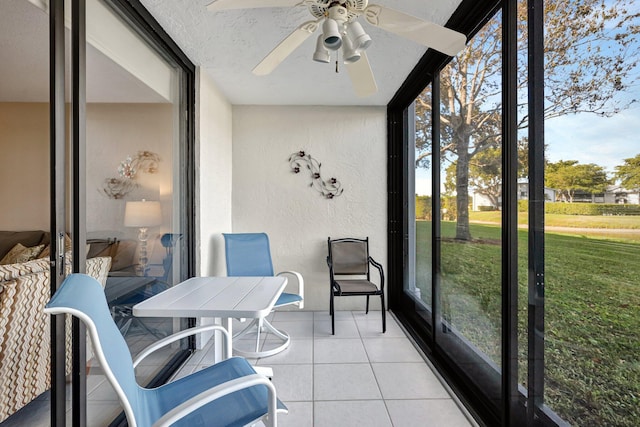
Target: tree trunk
[[462, 190]]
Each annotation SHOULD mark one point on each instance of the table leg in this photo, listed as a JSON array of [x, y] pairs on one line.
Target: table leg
[[228, 324], [219, 350]]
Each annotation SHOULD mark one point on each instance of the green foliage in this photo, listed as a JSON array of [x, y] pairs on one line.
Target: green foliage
[[594, 209], [629, 173], [568, 176], [487, 208], [591, 209], [523, 206], [449, 207], [423, 207]]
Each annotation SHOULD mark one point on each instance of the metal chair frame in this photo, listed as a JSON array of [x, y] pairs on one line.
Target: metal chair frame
[[228, 393], [249, 254], [339, 287]]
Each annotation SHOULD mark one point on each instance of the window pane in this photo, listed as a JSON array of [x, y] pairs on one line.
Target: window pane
[[421, 287], [592, 213], [134, 182], [471, 203]]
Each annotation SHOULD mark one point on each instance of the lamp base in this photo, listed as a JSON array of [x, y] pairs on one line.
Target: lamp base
[[143, 259]]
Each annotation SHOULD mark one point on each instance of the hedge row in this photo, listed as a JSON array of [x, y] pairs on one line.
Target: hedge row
[[584, 208]]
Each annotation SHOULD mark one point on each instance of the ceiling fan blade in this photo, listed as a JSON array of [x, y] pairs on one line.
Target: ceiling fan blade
[[249, 4], [426, 33], [364, 83], [285, 48]]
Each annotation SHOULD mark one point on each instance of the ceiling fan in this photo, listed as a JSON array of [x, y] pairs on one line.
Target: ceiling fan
[[342, 31]]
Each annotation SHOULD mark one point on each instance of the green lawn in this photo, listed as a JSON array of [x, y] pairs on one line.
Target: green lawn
[[592, 315], [573, 221]]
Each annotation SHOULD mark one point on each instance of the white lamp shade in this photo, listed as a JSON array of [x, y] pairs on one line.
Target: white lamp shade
[[142, 214]]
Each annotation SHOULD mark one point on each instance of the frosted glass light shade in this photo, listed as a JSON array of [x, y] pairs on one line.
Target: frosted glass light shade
[[331, 34], [361, 40], [321, 54]]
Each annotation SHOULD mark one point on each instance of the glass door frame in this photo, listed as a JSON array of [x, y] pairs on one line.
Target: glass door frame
[[58, 190], [68, 202]]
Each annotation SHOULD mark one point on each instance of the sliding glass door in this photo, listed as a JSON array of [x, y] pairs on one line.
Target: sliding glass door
[[136, 185], [122, 186], [520, 209], [469, 328]]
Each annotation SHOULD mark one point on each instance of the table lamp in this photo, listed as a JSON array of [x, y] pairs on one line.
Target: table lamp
[[142, 214]]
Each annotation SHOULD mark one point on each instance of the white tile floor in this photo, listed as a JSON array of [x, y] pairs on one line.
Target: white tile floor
[[359, 377]]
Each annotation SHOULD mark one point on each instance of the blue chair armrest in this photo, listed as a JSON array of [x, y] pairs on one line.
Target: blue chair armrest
[[183, 334]]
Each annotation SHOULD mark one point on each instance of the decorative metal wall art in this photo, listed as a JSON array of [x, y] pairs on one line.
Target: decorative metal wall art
[[118, 187], [329, 188]]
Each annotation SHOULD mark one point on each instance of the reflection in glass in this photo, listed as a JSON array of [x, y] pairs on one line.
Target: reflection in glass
[[133, 181], [423, 270], [471, 203]]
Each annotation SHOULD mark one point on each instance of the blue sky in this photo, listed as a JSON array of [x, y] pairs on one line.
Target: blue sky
[[605, 141]]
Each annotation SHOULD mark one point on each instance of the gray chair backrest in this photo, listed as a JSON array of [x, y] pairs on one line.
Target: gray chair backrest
[[350, 257]]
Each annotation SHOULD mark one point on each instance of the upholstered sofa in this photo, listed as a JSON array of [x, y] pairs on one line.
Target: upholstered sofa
[[24, 328]]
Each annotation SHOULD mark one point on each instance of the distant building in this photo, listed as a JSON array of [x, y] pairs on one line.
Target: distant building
[[479, 200], [613, 194]]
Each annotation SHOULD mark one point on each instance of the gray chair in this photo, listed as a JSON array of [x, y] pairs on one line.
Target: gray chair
[[349, 274]]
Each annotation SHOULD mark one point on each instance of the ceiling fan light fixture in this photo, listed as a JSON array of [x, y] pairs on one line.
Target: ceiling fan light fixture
[[331, 34], [321, 54], [361, 40], [350, 53]]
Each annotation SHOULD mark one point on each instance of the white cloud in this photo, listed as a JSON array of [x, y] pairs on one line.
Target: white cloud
[[605, 141]]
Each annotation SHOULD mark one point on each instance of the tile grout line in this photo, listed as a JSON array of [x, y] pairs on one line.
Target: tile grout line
[[384, 401], [440, 378]]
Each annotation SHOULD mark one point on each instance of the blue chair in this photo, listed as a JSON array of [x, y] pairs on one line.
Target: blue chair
[[248, 254], [229, 393]]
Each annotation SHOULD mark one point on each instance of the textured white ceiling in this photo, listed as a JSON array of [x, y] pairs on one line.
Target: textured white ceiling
[[229, 44], [24, 62]]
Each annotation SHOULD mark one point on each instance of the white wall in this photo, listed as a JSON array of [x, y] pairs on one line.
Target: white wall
[[213, 178], [24, 166], [115, 131], [350, 142]]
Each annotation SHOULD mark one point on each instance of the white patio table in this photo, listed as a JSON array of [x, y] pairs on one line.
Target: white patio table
[[224, 298]]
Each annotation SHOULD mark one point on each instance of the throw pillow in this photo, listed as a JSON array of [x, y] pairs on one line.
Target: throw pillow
[[123, 259], [102, 248], [19, 254]]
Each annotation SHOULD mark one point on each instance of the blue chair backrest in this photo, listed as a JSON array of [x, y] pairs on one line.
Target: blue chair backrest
[[248, 254], [82, 296]]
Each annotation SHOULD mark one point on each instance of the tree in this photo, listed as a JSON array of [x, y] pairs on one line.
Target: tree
[[591, 55], [567, 177], [629, 173], [485, 171], [485, 174], [423, 207]]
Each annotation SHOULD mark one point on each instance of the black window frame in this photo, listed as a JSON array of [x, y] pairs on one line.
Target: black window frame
[[517, 406]]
